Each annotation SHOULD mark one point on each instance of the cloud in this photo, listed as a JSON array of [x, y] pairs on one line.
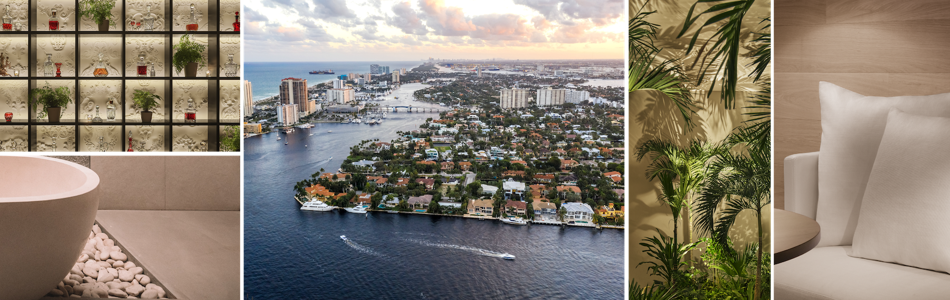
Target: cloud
[[500, 27], [568, 12], [447, 21], [407, 19]]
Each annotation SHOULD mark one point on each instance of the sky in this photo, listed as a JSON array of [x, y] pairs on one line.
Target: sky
[[396, 30]]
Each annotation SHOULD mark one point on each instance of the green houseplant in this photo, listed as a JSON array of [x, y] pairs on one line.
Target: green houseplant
[[99, 11], [146, 101], [53, 101], [231, 139], [188, 56]]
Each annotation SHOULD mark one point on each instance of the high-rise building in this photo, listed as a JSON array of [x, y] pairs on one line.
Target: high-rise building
[[374, 69], [540, 67], [402, 71], [341, 96], [514, 98], [551, 97], [360, 81], [479, 70], [338, 84], [351, 76], [294, 91], [369, 77], [383, 70], [287, 114], [574, 96], [248, 99], [395, 77]]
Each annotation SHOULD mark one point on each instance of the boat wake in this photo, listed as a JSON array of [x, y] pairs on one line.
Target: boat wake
[[361, 248], [478, 251]]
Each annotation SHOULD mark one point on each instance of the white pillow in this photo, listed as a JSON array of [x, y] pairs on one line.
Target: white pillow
[[852, 126], [905, 213]]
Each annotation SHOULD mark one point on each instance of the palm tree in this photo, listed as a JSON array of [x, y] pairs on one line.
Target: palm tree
[[681, 172], [743, 181]]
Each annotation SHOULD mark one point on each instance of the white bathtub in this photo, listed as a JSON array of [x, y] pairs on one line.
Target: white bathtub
[[47, 208]]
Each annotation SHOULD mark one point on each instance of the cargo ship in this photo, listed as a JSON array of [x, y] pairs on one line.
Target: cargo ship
[[322, 72]]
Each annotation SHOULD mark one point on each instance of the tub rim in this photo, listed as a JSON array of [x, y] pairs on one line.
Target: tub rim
[[92, 182]]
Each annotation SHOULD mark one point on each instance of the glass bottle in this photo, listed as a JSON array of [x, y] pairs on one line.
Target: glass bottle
[[100, 70], [193, 22], [149, 18], [7, 20], [151, 69], [190, 112], [237, 21], [110, 110], [59, 73], [142, 68], [53, 21], [130, 141], [48, 69], [97, 119], [231, 68]]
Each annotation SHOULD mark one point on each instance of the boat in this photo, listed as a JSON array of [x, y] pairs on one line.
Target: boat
[[513, 221], [359, 209], [316, 205], [322, 72], [345, 121], [397, 98], [392, 211], [343, 237], [358, 121], [507, 256], [278, 138], [286, 143]]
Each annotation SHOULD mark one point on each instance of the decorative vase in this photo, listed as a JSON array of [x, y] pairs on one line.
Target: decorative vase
[[146, 117], [191, 70], [54, 113], [59, 73], [8, 116], [103, 24]]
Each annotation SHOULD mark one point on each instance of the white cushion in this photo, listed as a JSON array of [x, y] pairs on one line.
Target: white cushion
[[904, 213], [829, 273], [852, 126]]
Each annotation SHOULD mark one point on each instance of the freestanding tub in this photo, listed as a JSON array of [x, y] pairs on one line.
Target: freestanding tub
[[47, 209]]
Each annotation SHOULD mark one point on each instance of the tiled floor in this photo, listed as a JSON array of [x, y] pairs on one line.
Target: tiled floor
[[195, 254]]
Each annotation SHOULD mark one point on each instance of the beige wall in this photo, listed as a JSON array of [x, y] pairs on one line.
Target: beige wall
[[872, 47], [169, 182]]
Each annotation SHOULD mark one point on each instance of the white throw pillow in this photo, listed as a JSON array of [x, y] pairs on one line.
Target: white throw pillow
[[852, 126], [905, 213]]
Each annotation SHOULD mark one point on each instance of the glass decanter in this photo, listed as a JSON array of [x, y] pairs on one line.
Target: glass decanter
[[237, 21], [142, 69], [48, 69], [110, 110], [151, 69], [97, 119], [231, 68], [7, 20], [190, 112], [130, 141], [193, 22], [100, 70], [149, 18], [53, 21], [59, 73]]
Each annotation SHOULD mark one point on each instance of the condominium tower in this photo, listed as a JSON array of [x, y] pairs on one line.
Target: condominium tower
[[248, 102], [294, 91], [551, 97], [514, 98]]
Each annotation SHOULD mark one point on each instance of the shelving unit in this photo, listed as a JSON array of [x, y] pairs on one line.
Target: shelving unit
[[216, 97]]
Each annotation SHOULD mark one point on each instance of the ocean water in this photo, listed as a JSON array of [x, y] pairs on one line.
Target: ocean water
[[265, 77]]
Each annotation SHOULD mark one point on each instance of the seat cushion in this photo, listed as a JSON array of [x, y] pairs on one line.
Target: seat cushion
[[830, 273]]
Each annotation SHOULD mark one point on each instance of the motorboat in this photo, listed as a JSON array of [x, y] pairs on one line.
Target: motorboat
[[359, 209], [316, 205], [514, 221], [343, 237], [506, 256], [278, 138]]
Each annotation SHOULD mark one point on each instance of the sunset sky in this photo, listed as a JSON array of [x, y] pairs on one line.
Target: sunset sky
[[388, 30]]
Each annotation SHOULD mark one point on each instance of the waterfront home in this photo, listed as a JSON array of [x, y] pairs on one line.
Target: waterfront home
[[444, 204], [380, 146], [615, 176], [392, 202], [563, 190], [362, 198], [544, 178], [319, 192], [465, 165], [608, 211], [513, 188], [426, 162], [448, 166], [577, 212], [544, 207], [335, 177], [480, 207], [421, 202], [495, 151], [539, 191], [489, 189], [379, 181], [432, 153], [428, 183], [515, 207]]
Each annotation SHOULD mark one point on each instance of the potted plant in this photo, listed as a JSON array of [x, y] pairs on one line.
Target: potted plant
[[53, 101], [188, 56], [146, 101], [99, 11]]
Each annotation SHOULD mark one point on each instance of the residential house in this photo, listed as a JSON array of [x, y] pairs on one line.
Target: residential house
[[319, 192], [615, 176], [421, 202], [512, 173], [569, 179], [465, 166], [513, 188], [544, 207], [428, 183], [608, 211], [516, 207], [544, 178], [448, 166], [480, 207], [432, 153], [523, 163], [401, 182], [335, 177], [563, 190], [489, 189], [577, 212]]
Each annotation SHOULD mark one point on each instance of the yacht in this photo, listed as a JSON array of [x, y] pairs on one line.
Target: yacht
[[358, 121], [343, 237], [316, 205], [278, 138], [346, 121], [359, 209], [506, 256], [514, 221]]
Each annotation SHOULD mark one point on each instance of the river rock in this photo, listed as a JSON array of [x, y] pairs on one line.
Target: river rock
[[114, 272], [101, 236], [135, 289], [149, 294], [96, 229], [58, 293], [103, 255], [103, 264], [109, 243], [126, 276], [71, 282], [129, 265], [76, 269], [105, 276], [75, 277], [136, 270], [118, 264], [83, 257], [118, 255], [88, 279], [145, 279], [118, 293], [91, 271]]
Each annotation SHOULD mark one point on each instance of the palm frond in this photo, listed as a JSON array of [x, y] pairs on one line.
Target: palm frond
[[763, 53]]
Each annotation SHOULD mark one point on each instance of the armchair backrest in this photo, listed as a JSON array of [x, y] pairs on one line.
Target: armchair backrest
[[801, 184]]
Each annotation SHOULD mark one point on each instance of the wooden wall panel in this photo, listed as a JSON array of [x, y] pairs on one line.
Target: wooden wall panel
[[872, 47]]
